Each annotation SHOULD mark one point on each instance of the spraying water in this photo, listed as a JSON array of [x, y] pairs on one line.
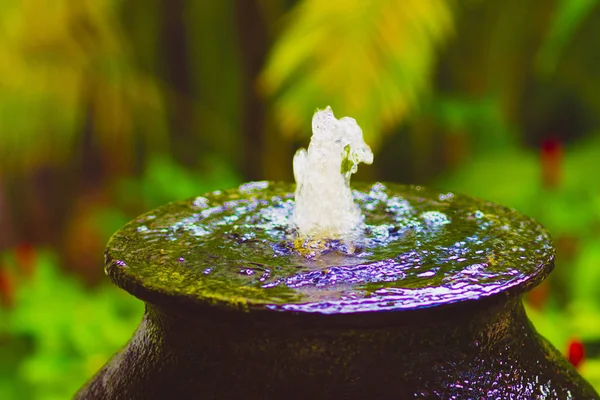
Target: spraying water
[[325, 207]]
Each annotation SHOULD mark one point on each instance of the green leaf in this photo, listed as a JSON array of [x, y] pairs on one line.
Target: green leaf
[[72, 331], [509, 177], [569, 15], [370, 60], [73, 67]]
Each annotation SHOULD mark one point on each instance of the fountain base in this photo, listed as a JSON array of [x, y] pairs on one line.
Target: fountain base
[[484, 349]]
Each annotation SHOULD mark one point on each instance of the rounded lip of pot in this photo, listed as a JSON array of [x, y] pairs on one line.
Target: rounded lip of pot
[[165, 297], [168, 304]]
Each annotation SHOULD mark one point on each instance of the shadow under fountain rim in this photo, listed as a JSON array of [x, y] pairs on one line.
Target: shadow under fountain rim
[[165, 303]]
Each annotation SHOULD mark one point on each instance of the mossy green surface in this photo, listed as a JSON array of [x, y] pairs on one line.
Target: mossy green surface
[[418, 248]]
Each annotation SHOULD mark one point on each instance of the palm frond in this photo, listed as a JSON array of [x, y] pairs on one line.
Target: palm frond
[[62, 62], [371, 60], [568, 16]]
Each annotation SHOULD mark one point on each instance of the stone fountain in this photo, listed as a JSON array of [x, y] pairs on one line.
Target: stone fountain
[[319, 291]]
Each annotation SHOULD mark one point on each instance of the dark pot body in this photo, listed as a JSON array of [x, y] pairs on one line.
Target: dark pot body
[[485, 349]]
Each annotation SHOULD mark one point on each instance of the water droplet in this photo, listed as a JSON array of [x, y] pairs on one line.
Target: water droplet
[[210, 211], [246, 271], [200, 202], [266, 275], [446, 197], [435, 218], [198, 230], [254, 186]]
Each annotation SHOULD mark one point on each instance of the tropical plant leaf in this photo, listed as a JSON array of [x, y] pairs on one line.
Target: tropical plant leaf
[[62, 62], [568, 16], [371, 60]]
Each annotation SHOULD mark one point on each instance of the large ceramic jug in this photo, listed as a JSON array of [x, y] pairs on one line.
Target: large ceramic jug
[[428, 304]]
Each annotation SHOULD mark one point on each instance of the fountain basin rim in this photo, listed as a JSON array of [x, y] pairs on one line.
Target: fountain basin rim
[[131, 275], [165, 299]]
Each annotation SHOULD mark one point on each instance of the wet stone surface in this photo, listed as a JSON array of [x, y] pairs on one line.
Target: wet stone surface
[[419, 248]]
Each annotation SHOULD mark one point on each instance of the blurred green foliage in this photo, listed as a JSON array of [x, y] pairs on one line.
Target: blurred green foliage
[[60, 332], [370, 60], [164, 181], [74, 65], [110, 108], [568, 16]]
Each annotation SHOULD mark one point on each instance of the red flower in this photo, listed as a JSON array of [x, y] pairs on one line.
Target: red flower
[[575, 352], [6, 288], [552, 160]]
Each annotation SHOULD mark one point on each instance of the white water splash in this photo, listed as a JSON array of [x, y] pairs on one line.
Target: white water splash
[[325, 208]]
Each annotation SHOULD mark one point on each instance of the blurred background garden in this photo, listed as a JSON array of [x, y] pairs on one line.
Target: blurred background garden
[[109, 108]]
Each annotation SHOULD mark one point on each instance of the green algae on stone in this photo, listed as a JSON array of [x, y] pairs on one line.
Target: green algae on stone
[[419, 248]]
